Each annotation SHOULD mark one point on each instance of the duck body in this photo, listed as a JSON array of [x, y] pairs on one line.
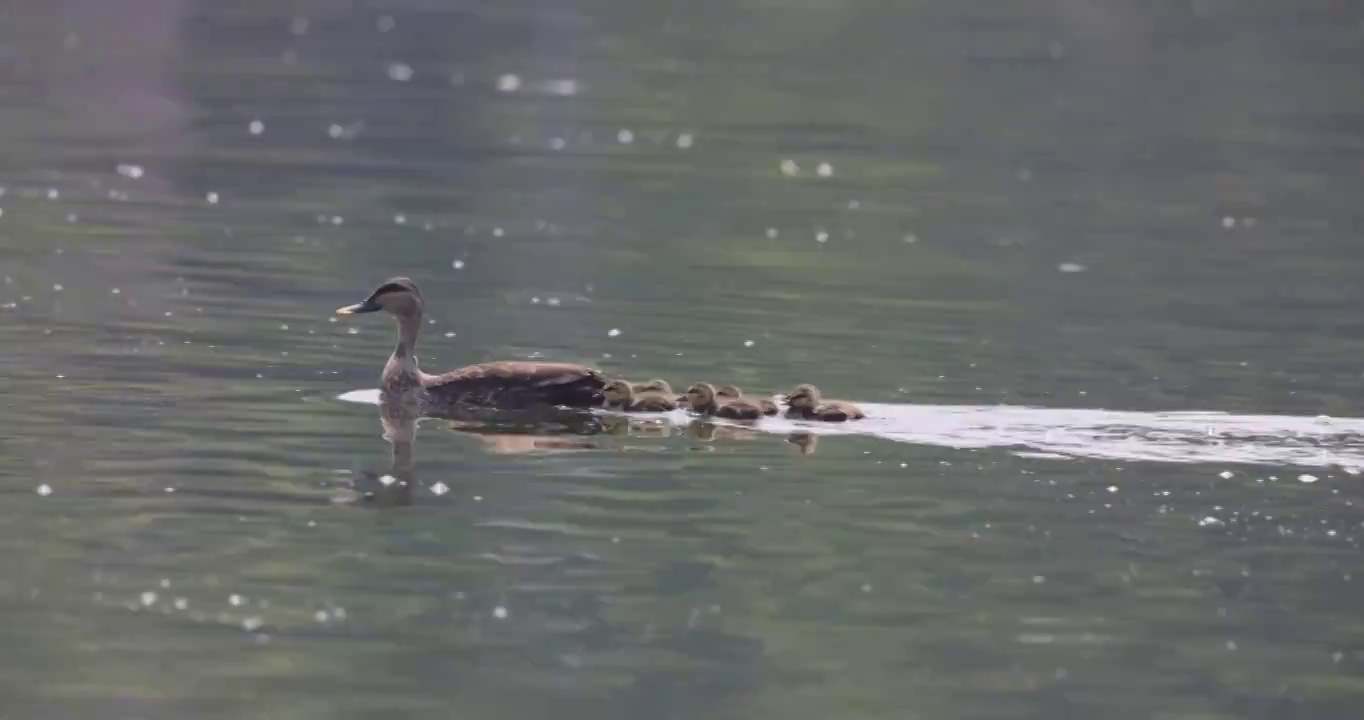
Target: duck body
[[621, 394], [732, 392], [510, 384], [806, 403], [703, 398], [832, 411]]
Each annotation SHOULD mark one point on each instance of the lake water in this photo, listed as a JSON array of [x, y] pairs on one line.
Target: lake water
[[1095, 270]]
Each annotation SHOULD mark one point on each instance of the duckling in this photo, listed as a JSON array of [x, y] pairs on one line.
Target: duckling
[[620, 394], [702, 398], [733, 391], [655, 385], [806, 403]]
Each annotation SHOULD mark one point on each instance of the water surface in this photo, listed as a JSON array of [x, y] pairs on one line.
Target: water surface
[[1044, 232]]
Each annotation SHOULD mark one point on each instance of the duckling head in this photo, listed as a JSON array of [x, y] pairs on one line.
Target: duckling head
[[617, 391], [803, 397], [700, 395], [729, 391], [397, 296], [657, 385]]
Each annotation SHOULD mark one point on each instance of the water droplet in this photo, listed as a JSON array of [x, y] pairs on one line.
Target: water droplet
[[450, 334], [508, 83], [824, 170], [625, 136], [557, 143], [387, 480], [1226, 474], [866, 587], [399, 72], [335, 131], [440, 488], [1306, 478], [685, 141], [57, 287], [500, 612], [299, 26], [613, 332], [256, 127], [1228, 222], [236, 600], [131, 172], [148, 598], [789, 168], [181, 603], [748, 343], [910, 238], [385, 23], [498, 232], [554, 302], [854, 204], [1071, 267], [44, 490], [821, 236], [773, 232], [1210, 521], [1039, 579], [1112, 488], [252, 623], [212, 198], [458, 264], [53, 194]]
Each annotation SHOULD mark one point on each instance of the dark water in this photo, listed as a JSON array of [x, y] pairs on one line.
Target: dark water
[[1127, 206]]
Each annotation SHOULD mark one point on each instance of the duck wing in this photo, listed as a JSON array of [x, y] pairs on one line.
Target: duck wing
[[518, 384]]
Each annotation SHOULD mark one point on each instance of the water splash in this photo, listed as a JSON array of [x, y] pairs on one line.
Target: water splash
[[1173, 437]]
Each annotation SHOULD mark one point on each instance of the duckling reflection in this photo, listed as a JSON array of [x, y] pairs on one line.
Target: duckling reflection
[[806, 442], [707, 431], [623, 426]]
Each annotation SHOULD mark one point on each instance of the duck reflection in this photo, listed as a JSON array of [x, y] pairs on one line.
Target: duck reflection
[[519, 432]]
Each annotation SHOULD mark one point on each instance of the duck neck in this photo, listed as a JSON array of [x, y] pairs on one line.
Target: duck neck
[[405, 353]]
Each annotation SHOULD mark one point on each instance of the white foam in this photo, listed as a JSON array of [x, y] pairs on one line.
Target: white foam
[[1175, 437]]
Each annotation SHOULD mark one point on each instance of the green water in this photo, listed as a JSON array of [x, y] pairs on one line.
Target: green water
[[1148, 206]]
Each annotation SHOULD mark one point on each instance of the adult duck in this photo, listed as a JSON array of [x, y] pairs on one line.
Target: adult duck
[[507, 384]]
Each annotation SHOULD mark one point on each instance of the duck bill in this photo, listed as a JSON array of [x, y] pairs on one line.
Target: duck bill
[[367, 306]]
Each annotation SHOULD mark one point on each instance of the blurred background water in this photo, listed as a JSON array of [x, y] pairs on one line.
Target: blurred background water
[[1128, 206]]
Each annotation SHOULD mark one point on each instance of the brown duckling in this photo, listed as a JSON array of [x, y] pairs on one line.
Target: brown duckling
[[806, 402], [733, 392], [702, 398], [620, 394], [655, 385]]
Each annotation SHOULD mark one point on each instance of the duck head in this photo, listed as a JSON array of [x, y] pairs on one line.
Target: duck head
[[617, 392], [700, 395], [803, 397], [657, 385], [729, 391], [398, 296]]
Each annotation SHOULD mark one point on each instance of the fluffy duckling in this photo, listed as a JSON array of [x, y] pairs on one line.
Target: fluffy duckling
[[806, 403], [656, 385], [733, 392], [620, 394], [703, 399]]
